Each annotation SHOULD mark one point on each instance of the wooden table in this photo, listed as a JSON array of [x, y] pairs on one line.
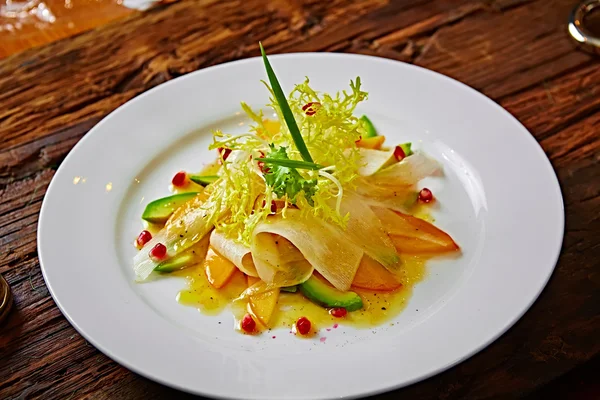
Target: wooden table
[[70, 17], [517, 52]]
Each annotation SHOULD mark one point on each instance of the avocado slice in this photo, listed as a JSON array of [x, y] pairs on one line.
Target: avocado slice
[[320, 292], [369, 127], [406, 148], [159, 211], [203, 180], [411, 199], [289, 289], [178, 262]]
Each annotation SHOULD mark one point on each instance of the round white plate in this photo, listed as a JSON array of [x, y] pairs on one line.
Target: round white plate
[[499, 199]]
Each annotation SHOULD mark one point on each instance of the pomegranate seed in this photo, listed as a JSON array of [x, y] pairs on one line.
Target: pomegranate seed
[[263, 168], [261, 164], [224, 152], [179, 179], [399, 153], [338, 312], [143, 238], [273, 206], [425, 195], [158, 252], [303, 325], [248, 324], [309, 109]]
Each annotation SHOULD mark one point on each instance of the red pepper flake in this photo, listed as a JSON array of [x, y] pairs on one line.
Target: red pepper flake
[[248, 323], [323, 339], [338, 312], [143, 238], [359, 139], [179, 179], [311, 108], [303, 325], [399, 153], [335, 326], [224, 153], [158, 252], [425, 195]]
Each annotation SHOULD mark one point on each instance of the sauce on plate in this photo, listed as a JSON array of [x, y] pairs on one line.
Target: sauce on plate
[[379, 307]]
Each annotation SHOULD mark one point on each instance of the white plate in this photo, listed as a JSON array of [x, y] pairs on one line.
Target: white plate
[[500, 200]]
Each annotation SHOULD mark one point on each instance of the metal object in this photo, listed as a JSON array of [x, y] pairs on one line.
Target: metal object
[[6, 299], [577, 29]]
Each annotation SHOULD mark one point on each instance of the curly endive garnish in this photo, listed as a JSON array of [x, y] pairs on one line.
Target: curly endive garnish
[[330, 134], [340, 192]]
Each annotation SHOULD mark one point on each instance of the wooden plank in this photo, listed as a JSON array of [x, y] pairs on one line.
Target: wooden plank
[[515, 51]]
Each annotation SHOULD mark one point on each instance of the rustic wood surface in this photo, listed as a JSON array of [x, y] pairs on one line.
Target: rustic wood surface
[[70, 18], [515, 51]]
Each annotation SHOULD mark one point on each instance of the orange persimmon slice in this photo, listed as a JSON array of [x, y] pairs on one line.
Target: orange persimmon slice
[[218, 269], [272, 128], [374, 142], [412, 235], [373, 276], [262, 305]]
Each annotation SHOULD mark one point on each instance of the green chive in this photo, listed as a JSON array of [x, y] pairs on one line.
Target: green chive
[[291, 163], [285, 109]]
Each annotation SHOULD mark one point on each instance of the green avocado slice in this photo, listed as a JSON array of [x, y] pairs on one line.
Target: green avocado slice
[[159, 211], [320, 292], [407, 148], [369, 127], [289, 289], [203, 180], [178, 262]]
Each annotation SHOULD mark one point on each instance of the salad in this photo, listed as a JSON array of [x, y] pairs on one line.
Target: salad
[[312, 206]]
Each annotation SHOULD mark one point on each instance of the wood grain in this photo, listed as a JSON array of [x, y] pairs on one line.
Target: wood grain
[[70, 18], [516, 52]]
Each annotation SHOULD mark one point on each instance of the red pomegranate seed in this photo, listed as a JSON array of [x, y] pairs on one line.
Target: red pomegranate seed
[[273, 206], [179, 179], [262, 167], [158, 252], [224, 152], [309, 109], [399, 153], [248, 324], [338, 312], [143, 238], [425, 195], [303, 325], [261, 164]]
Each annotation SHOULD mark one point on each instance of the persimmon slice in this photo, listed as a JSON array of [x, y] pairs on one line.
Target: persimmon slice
[[373, 276]]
